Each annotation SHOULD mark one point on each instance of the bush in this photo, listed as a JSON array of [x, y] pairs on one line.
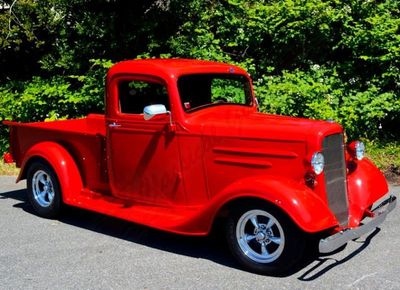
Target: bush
[[328, 59], [386, 156], [335, 60], [319, 93], [57, 97]]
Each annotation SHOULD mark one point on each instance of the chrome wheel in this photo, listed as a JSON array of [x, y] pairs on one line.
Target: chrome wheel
[[42, 188], [44, 192], [260, 236]]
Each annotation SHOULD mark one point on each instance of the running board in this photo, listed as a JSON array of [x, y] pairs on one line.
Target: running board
[[177, 219]]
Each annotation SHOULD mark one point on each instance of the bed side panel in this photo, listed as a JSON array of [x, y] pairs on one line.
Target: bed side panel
[[84, 141]]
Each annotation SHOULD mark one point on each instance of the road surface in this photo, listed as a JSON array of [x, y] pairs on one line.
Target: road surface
[[85, 250]]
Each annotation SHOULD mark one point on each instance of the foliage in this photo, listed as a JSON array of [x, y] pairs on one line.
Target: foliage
[[387, 157], [28, 30], [335, 60], [51, 37], [229, 90], [320, 94], [57, 97], [328, 59]]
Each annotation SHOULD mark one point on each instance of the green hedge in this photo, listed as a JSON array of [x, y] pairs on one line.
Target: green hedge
[[320, 94], [317, 93], [328, 59], [57, 97]]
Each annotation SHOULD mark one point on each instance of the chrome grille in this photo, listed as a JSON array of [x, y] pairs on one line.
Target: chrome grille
[[335, 176]]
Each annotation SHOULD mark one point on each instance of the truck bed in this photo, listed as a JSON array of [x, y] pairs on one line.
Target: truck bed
[[83, 138]]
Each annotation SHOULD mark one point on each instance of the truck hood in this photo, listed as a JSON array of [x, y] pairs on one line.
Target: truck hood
[[240, 122]]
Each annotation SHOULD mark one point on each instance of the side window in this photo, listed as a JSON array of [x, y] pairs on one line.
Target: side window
[[134, 95]]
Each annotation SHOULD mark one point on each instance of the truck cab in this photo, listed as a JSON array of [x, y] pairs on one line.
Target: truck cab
[[182, 144]]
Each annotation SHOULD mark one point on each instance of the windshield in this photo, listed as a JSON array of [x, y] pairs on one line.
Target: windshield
[[203, 90]]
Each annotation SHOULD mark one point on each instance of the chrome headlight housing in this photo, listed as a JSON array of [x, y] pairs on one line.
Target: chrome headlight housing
[[318, 162], [359, 149]]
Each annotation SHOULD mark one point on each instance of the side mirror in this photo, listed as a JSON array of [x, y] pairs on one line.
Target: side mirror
[[153, 110]]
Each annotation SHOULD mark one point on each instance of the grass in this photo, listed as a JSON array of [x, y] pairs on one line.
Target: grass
[[8, 169], [386, 156]]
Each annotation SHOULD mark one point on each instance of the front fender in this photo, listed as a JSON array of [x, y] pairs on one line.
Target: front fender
[[63, 164], [365, 186], [298, 201]]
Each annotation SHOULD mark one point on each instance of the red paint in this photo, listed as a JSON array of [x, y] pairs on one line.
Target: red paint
[[177, 176], [366, 185], [8, 158]]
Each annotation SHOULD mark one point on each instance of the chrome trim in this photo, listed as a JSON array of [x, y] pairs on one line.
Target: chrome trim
[[260, 236], [42, 188], [114, 125], [337, 240], [335, 177]]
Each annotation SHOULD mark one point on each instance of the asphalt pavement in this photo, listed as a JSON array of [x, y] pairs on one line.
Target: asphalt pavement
[[85, 250]]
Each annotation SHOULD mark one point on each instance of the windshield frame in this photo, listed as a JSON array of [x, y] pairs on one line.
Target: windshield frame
[[246, 82]]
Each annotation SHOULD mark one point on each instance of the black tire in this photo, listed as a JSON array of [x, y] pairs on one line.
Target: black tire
[[271, 248], [44, 192]]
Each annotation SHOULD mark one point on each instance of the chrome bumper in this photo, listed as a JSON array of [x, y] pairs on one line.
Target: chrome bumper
[[337, 240]]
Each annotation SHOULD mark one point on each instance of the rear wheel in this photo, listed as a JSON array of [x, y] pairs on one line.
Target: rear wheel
[[44, 191], [264, 240]]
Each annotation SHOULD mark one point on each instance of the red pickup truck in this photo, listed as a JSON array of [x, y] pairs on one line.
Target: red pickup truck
[[182, 145]]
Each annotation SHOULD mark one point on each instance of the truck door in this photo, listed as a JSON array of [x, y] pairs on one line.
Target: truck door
[[143, 159]]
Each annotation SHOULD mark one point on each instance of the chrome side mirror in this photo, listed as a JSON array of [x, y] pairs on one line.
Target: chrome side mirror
[[153, 110]]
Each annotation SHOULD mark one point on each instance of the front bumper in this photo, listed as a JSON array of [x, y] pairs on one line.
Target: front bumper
[[337, 240]]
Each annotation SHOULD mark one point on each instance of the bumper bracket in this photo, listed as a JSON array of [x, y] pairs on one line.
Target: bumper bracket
[[337, 240]]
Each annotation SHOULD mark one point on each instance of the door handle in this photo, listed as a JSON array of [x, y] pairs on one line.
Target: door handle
[[114, 125]]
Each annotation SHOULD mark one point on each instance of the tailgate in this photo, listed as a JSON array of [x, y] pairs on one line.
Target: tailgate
[[14, 149]]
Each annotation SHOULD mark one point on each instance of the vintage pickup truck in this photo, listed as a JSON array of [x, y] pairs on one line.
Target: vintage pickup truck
[[182, 145]]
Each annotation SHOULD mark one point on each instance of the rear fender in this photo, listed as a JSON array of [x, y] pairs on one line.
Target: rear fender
[[63, 164]]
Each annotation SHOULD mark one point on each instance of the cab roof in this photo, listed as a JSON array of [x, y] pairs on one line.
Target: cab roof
[[171, 68]]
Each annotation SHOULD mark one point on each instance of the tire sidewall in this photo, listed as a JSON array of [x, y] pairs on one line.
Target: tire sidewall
[[53, 209]]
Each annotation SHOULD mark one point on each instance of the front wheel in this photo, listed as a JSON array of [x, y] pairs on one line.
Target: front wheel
[[264, 240], [44, 191]]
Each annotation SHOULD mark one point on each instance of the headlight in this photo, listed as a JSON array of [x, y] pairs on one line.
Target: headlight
[[318, 162], [357, 149], [360, 150]]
